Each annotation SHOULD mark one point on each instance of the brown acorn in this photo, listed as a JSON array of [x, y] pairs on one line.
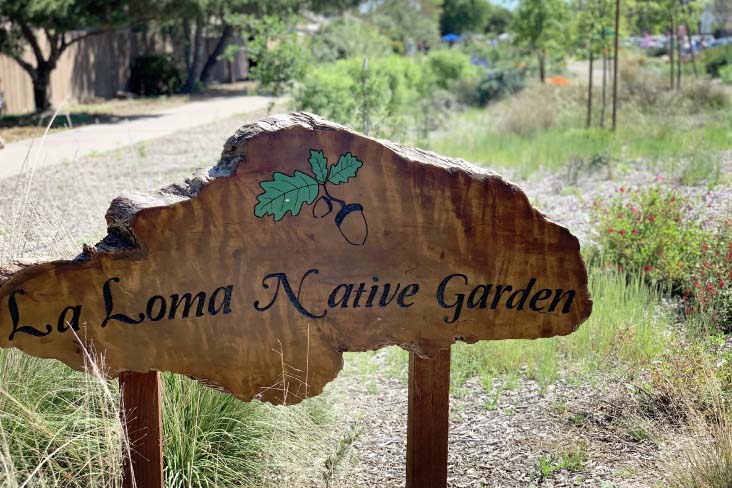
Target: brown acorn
[[352, 225]]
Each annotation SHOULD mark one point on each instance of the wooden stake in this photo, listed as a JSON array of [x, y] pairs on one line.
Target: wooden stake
[[427, 423], [143, 420]]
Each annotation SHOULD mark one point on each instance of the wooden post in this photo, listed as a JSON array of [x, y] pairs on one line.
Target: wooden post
[[427, 423], [143, 420]]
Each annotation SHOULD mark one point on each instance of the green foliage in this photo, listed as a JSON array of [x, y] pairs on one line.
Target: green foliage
[[154, 74], [57, 427], [280, 55], [348, 37], [463, 16], [648, 231], [715, 59], [447, 66], [212, 439], [708, 293], [539, 25], [572, 460], [411, 23], [725, 73], [386, 96]]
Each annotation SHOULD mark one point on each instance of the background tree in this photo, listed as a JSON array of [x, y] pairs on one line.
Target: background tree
[[60, 23], [591, 21], [407, 22], [499, 19], [462, 16], [539, 26]]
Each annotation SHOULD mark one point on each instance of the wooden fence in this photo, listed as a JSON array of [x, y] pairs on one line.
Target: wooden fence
[[96, 67]]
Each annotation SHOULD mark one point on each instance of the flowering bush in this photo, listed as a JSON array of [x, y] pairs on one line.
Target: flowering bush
[[654, 232], [709, 289], [649, 231]]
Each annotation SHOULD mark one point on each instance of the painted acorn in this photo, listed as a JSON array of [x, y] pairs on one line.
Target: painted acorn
[[352, 225], [322, 207]]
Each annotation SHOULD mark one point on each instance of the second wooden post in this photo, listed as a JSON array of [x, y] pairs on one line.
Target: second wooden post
[[428, 421]]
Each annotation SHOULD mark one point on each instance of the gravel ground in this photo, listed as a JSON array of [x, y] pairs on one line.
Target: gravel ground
[[499, 443], [50, 213]]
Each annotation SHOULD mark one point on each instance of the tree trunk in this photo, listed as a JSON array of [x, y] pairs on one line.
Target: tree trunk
[[541, 55], [691, 50], [193, 68], [615, 64], [671, 52], [42, 88], [214, 56], [604, 87], [678, 58], [589, 92]]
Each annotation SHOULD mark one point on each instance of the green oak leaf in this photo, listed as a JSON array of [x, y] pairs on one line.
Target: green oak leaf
[[319, 164], [286, 194], [346, 168]]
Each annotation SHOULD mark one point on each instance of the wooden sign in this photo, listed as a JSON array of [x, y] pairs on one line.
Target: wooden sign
[[305, 241]]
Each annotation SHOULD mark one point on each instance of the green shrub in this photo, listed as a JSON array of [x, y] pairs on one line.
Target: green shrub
[[390, 97], [154, 74], [450, 65], [649, 231], [279, 64], [499, 83], [725, 72], [715, 58], [347, 37], [709, 288]]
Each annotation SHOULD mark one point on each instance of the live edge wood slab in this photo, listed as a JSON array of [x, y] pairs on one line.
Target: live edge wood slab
[[306, 240]]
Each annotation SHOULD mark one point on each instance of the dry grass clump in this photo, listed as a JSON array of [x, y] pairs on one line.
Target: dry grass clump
[[535, 109]]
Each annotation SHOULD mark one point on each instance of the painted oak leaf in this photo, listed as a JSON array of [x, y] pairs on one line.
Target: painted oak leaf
[[346, 167], [286, 194], [319, 164]]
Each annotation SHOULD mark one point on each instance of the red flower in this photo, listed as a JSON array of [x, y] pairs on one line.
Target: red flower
[[620, 215], [634, 209], [647, 268], [611, 230], [635, 232], [722, 284], [622, 189], [651, 218], [621, 232]]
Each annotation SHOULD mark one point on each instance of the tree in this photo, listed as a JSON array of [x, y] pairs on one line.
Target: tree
[[60, 23], [498, 20], [407, 21], [539, 26], [461, 16]]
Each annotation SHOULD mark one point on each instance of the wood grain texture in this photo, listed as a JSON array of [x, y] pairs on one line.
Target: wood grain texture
[[428, 218], [142, 417], [428, 420]]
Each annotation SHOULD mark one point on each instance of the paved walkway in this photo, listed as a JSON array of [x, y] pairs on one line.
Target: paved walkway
[[75, 143]]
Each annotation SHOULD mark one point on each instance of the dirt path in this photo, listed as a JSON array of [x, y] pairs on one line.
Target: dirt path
[[73, 144]]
